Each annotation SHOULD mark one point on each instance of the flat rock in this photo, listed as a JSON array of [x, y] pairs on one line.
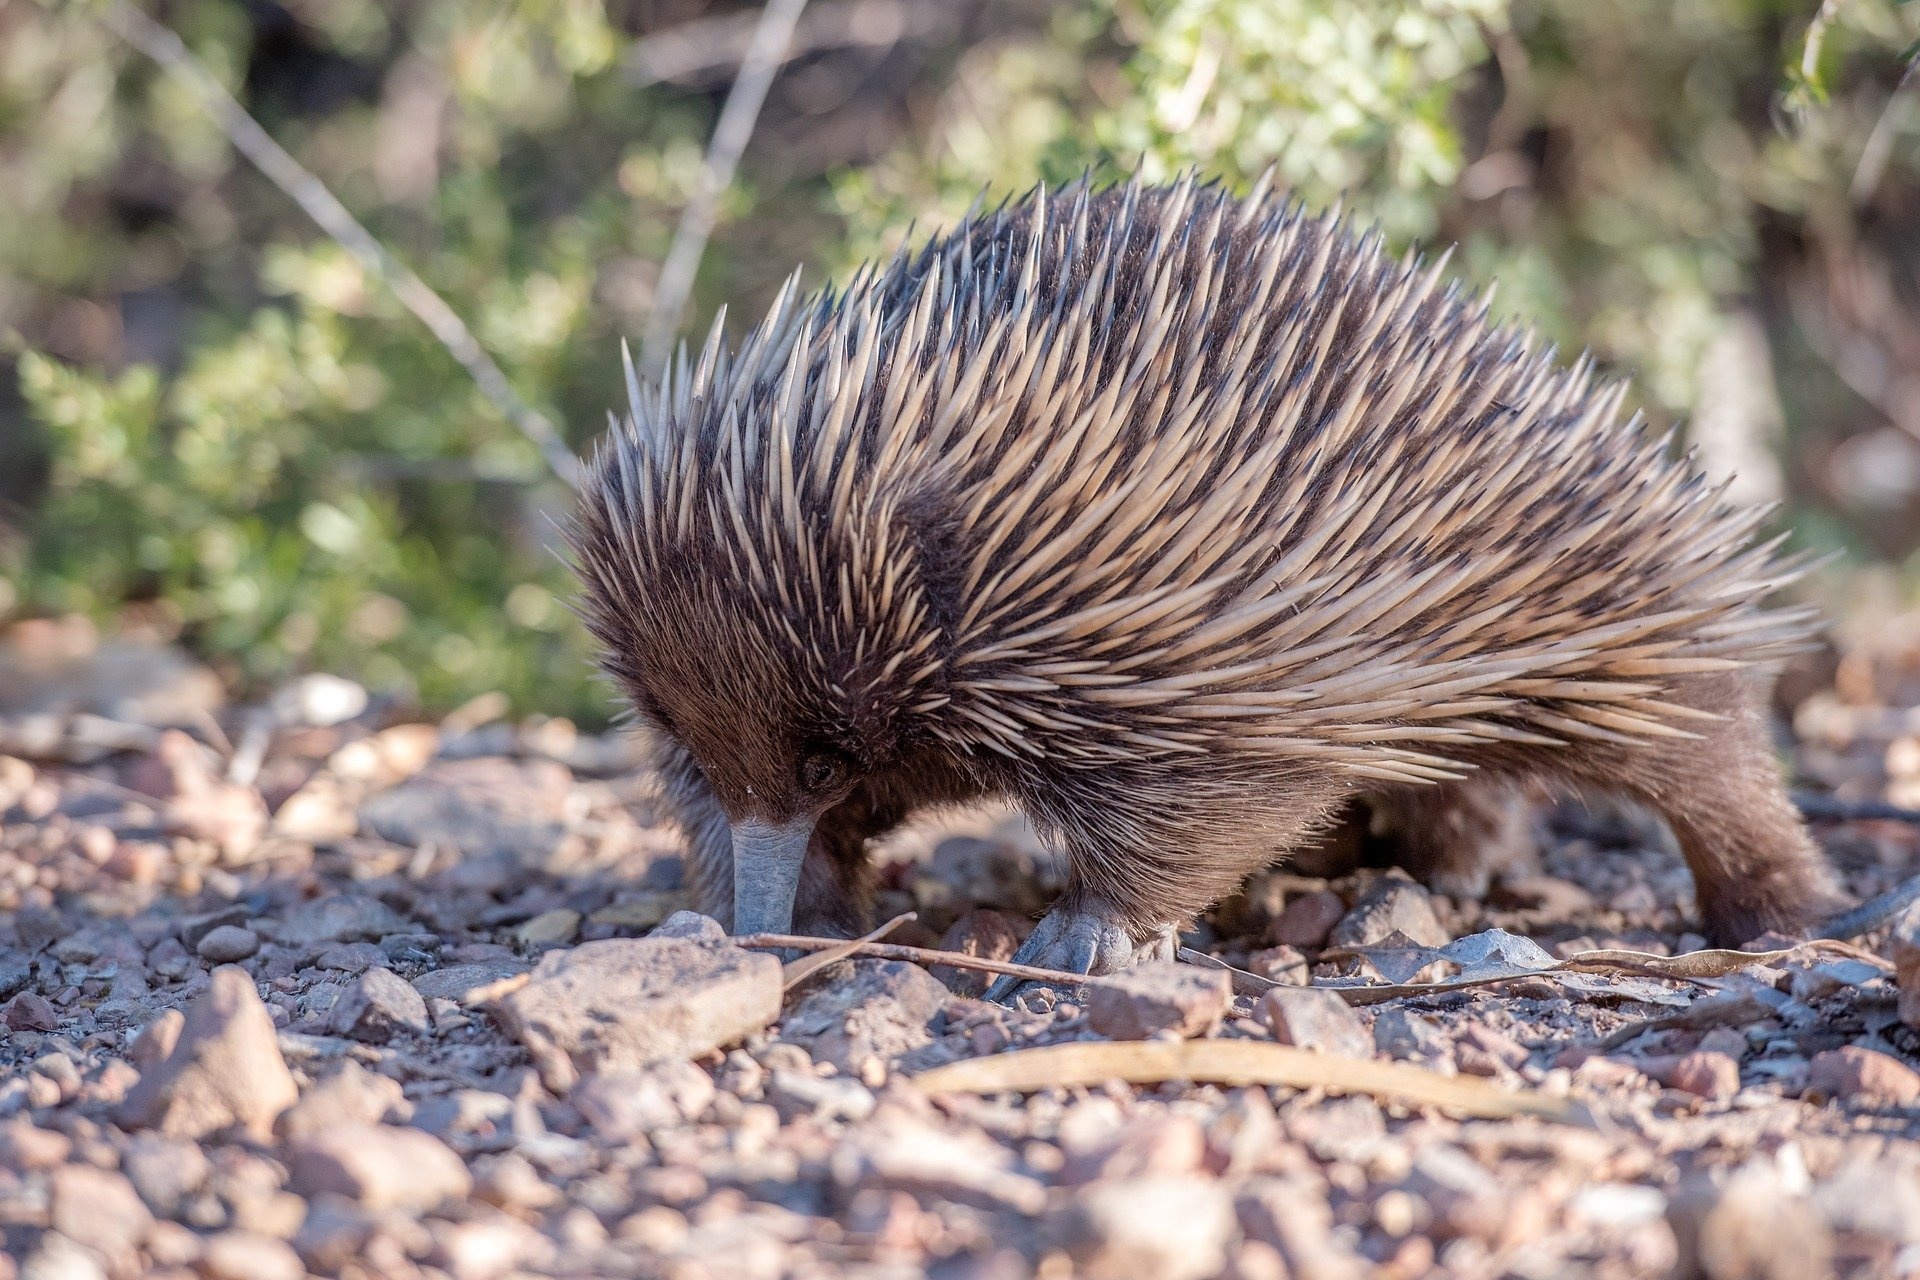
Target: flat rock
[[458, 981], [1391, 904], [344, 917], [624, 1004], [1160, 996], [1315, 1018], [866, 1010], [378, 1005], [224, 1071], [378, 1167], [1863, 1075]]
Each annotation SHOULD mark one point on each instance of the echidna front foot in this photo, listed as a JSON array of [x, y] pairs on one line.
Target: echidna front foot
[[1088, 936]]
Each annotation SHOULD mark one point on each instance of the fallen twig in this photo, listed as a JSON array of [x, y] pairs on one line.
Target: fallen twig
[[919, 955], [798, 971], [1874, 913], [1239, 1062], [159, 43], [1823, 807]]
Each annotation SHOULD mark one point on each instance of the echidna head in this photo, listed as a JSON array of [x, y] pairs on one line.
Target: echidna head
[[787, 654]]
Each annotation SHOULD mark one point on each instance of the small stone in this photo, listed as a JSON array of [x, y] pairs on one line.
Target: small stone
[[1281, 964], [1315, 1018], [227, 944], [1400, 1034], [246, 1255], [822, 1097], [549, 929], [984, 934], [351, 957], [351, 1095], [1166, 1228], [345, 917], [377, 1006], [1307, 920], [1703, 1073], [458, 981], [1483, 1051], [690, 925], [23, 1146], [30, 1011], [379, 1167], [225, 1070], [624, 1004], [99, 1209], [167, 1172], [1391, 904], [1857, 1074], [194, 928], [1148, 999], [870, 1010]]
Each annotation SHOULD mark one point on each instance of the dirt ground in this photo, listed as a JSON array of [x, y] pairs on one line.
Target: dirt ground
[[361, 1079]]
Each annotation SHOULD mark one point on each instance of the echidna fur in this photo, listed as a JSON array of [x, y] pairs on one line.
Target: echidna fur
[[1176, 518]]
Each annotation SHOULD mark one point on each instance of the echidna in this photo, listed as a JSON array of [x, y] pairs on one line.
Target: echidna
[[1177, 519]]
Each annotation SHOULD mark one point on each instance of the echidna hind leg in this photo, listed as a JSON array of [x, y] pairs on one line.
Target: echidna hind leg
[[1086, 934], [1754, 866]]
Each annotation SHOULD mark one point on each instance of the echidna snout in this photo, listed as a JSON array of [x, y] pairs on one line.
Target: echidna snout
[[1178, 519]]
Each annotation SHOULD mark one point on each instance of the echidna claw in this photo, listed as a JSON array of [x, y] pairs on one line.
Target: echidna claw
[[1091, 938]]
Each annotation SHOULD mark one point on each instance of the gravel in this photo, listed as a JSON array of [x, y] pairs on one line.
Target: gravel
[[423, 1032]]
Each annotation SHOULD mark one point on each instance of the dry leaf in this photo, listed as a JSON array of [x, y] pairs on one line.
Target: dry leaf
[[1239, 1062]]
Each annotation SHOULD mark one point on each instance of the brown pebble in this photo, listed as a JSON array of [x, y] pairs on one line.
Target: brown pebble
[[1307, 920], [1863, 1075], [1159, 996]]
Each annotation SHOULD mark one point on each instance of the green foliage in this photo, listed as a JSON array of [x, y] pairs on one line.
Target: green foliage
[[286, 463]]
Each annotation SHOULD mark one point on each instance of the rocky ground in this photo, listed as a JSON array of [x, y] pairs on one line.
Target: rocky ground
[[310, 988]]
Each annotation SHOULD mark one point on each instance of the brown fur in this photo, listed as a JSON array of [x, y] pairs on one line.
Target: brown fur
[[1179, 520]]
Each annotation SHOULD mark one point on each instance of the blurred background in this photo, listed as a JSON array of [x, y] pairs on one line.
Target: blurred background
[[218, 429]]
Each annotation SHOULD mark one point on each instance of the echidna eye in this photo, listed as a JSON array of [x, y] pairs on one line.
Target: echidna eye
[[819, 771]]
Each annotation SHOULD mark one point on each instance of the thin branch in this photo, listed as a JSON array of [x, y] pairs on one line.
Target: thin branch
[[159, 43], [919, 955], [730, 136]]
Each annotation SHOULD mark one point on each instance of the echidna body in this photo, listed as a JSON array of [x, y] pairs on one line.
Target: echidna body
[[1176, 519]]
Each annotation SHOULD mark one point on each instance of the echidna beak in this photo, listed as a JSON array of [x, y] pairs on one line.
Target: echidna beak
[[766, 873]]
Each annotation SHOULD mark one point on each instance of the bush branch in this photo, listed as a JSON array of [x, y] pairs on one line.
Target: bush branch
[[159, 43]]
